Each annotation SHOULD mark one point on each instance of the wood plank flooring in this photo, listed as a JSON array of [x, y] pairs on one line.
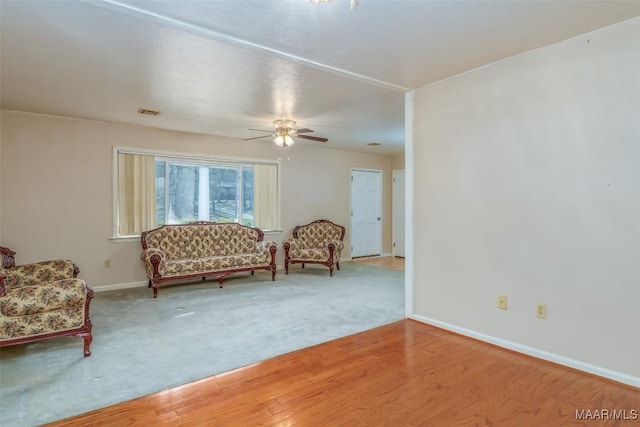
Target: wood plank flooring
[[402, 374], [390, 262]]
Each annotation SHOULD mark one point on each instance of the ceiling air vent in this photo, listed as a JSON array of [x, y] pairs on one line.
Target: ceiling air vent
[[148, 112], [373, 144]]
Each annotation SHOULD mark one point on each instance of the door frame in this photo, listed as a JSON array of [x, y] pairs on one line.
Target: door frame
[[397, 215], [381, 199]]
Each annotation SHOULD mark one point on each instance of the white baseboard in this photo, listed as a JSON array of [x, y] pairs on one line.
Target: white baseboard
[[382, 255], [119, 286], [540, 354], [144, 284]]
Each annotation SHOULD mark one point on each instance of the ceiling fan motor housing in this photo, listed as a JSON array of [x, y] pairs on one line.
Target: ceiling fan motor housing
[[285, 127]]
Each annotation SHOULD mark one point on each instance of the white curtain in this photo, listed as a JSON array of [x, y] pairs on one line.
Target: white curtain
[[136, 193], [265, 196]]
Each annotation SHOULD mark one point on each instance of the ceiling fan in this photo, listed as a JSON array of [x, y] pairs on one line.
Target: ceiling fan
[[284, 133]]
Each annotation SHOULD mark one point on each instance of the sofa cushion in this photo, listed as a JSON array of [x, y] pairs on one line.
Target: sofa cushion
[[27, 300], [235, 261], [41, 323], [314, 254], [182, 266]]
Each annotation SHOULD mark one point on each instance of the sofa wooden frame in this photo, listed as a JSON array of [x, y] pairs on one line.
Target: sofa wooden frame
[[155, 260]]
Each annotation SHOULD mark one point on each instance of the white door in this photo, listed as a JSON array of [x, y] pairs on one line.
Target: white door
[[398, 212], [366, 212]]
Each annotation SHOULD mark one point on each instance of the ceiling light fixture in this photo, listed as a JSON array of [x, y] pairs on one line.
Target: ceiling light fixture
[[148, 112], [285, 132]]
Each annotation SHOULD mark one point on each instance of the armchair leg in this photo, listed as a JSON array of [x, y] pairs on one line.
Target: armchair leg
[[149, 285], [303, 265], [155, 290], [331, 271], [338, 265], [286, 265], [87, 344]]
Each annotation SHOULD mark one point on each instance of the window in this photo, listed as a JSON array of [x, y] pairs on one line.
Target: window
[[155, 189]]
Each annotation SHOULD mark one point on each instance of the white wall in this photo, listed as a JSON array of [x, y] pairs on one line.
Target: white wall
[[57, 188], [527, 183]]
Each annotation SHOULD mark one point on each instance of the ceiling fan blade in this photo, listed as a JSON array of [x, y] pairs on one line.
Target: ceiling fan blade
[[304, 130], [256, 137], [261, 130], [313, 138]]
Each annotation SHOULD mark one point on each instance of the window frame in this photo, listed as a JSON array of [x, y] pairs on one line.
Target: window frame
[[192, 159]]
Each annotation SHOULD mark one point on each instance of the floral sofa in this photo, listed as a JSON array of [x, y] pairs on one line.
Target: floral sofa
[[320, 242], [43, 300], [204, 249]]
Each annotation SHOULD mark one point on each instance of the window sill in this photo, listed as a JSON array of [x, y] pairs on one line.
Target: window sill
[[136, 238], [125, 239]]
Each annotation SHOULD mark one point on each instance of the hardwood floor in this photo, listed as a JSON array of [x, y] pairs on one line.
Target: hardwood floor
[[402, 374], [390, 262]]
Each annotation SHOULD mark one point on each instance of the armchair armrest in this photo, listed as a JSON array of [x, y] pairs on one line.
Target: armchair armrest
[[154, 261], [265, 246], [268, 247], [292, 244], [337, 244]]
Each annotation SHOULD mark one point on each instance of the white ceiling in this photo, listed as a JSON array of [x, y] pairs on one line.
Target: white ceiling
[[223, 66]]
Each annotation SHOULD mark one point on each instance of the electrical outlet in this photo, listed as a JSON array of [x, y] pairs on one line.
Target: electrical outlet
[[541, 311], [107, 263], [502, 302]]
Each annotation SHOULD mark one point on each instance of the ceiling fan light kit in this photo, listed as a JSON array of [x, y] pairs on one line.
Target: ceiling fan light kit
[[285, 131]]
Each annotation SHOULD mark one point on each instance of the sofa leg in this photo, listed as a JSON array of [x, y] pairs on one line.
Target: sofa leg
[[273, 273], [155, 290], [338, 265], [149, 285], [303, 265], [220, 281], [286, 266], [87, 344], [252, 272], [331, 271]]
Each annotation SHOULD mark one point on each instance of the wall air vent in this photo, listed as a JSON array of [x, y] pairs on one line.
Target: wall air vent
[[148, 112]]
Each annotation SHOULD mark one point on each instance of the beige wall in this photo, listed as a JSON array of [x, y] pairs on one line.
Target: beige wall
[[527, 184], [57, 188], [397, 161]]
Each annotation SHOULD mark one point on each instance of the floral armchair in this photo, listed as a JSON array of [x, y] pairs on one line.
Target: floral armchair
[[320, 242], [42, 300]]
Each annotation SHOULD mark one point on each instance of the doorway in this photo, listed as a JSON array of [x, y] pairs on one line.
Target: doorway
[[366, 212]]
